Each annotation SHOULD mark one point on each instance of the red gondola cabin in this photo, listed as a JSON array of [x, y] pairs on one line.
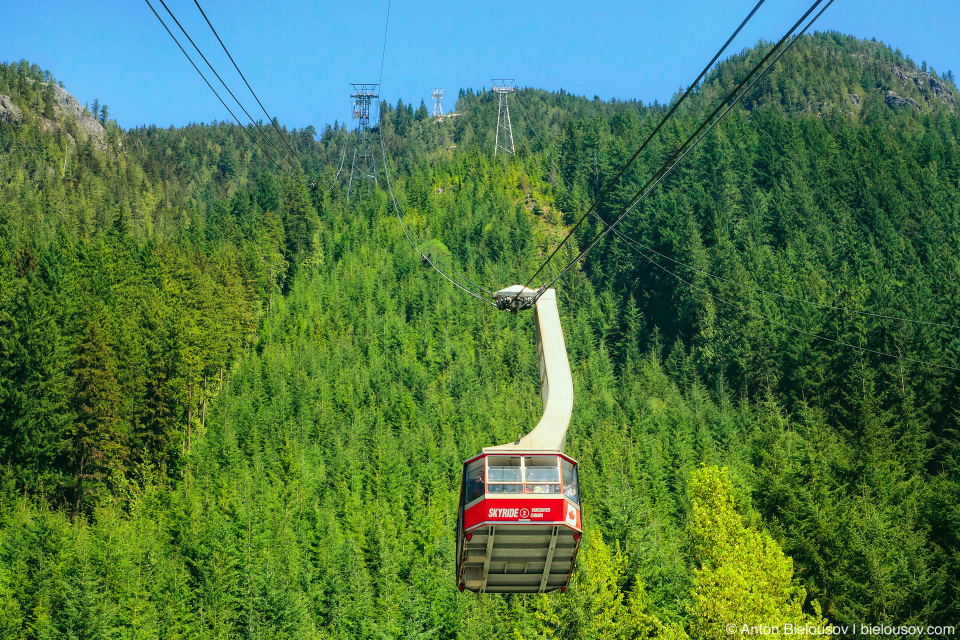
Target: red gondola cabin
[[519, 525]]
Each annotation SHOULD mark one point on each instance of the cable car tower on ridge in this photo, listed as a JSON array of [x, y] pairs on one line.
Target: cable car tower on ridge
[[504, 139], [364, 163]]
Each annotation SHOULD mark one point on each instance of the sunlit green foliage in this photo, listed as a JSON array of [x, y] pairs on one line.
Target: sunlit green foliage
[[742, 577], [233, 405]]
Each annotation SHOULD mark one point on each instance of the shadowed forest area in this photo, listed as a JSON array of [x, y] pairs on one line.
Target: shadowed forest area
[[234, 404]]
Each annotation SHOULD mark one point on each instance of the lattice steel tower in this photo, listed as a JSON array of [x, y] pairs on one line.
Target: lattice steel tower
[[437, 97], [364, 163], [504, 139]]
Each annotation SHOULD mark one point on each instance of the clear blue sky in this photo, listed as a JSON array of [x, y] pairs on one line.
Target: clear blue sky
[[300, 57]]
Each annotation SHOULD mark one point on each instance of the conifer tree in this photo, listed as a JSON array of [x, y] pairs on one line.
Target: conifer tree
[[97, 443], [742, 576]]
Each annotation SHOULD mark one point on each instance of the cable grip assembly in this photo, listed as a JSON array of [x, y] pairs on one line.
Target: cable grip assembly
[[515, 298]]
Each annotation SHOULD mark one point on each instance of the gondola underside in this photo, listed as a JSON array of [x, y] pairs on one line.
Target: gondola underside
[[518, 558]]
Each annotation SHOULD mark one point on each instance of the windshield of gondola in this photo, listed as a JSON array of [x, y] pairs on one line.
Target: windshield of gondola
[[504, 474], [570, 487], [541, 474], [474, 480]]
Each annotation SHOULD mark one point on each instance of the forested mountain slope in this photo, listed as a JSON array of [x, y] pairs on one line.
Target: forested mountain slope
[[233, 405]]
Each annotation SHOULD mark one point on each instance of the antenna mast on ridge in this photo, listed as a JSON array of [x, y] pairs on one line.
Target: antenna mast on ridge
[[437, 97], [364, 163], [504, 142]]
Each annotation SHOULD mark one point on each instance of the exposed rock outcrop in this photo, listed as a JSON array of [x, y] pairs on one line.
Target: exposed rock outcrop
[[68, 105], [895, 101], [941, 90], [928, 84], [52, 125], [9, 112]]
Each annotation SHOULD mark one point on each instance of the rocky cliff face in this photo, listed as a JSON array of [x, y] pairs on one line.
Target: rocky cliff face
[[926, 89], [830, 71], [68, 105], [9, 112], [930, 86], [895, 101]]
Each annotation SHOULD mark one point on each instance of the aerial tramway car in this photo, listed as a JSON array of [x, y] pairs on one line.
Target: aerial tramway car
[[519, 524]]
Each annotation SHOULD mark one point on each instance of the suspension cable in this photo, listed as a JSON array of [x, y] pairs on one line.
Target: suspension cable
[[269, 118], [732, 99], [640, 247], [262, 132], [197, 69], [449, 273], [643, 146], [343, 156]]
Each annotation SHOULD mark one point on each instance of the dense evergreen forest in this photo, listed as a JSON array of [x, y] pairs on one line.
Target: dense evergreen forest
[[234, 404]]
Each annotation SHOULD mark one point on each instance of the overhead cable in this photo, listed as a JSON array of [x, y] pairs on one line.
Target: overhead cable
[[643, 247], [257, 125], [343, 156], [643, 146], [452, 275], [647, 252], [269, 118], [197, 69], [732, 99]]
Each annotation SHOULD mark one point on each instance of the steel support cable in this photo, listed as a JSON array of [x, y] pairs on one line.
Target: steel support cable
[[397, 206], [643, 146], [639, 246], [430, 260], [642, 249], [417, 243], [426, 255], [197, 69], [933, 232], [701, 131], [242, 108], [412, 237], [343, 156], [269, 118], [789, 326]]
